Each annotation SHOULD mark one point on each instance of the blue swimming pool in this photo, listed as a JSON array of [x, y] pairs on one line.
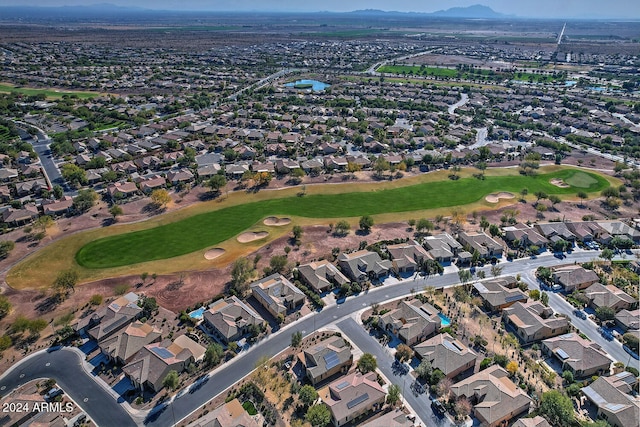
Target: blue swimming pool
[[315, 85], [197, 314], [444, 320]]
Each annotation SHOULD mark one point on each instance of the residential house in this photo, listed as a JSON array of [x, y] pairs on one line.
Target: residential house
[[110, 319], [412, 321], [363, 265], [555, 231], [17, 217], [407, 257], [582, 357], [574, 277], [524, 236], [326, 359], [231, 414], [352, 396], [628, 320], [149, 367], [178, 176], [277, 294], [394, 418], [57, 207], [229, 319], [609, 296], [121, 347], [321, 275], [7, 174], [615, 399], [442, 247], [495, 398], [500, 293], [148, 184], [122, 189], [481, 242], [534, 322], [447, 354], [620, 229], [536, 421], [34, 186]]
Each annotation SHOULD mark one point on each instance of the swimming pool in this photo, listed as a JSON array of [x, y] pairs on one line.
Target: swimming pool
[[444, 320], [197, 314]]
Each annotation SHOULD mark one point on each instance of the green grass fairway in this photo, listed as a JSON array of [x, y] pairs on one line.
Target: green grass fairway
[[49, 93], [210, 228], [581, 180]]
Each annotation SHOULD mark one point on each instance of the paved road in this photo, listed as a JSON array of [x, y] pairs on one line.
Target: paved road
[[41, 147], [368, 344], [244, 363], [65, 366]]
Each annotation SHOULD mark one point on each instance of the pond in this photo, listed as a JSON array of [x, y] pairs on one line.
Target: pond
[[314, 85]]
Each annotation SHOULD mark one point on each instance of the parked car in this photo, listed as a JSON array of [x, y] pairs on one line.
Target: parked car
[[53, 393], [579, 313], [438, 407]]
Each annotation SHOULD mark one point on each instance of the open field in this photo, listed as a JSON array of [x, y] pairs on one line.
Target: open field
[[127, 249], [468, 75], [49, 93]]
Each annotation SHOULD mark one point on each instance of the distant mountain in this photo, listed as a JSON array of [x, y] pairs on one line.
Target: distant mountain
[[475, 11]]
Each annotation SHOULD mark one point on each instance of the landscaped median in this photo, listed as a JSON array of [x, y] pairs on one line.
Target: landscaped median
[[108, 252]]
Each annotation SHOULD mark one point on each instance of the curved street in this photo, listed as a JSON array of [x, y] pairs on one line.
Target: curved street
[[71, 376], [66, 367]]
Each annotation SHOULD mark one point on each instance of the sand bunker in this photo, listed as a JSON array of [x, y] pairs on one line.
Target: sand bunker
[[250, 236], [213, 253], [495, 197], [559, 183], [276, 222]]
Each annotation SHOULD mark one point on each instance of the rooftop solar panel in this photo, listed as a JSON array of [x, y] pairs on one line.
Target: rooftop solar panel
[[358, 400], [331, 359], [342, 385], [562, 354], [162, 352]]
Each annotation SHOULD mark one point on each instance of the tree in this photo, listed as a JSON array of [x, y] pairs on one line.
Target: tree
[[6, 246], [534, 294], [213, 354], [5, 306], [567, 376], [423, 370], [65, 282], [380, 166], [160, 197], [605, 313], [342, 228], [512, 367], [557, 408], [58, 192], [607, 254], [115, 211], [540, 195], [241, 271], [366, 222], [216, 182], [523, 193], [423, 225], [297, 233], [171, 381], [583, 196], [367, 363], [443, 388], [496, 270], [554, 200], [84, 200], [95, 299], [5, 342], [36, 326], [73, 174], [296, 339], [43, 222], [278, 263], [403, 352], [631, 341], [308, 395], [462, 408], [318, 415], [544, 298], [464, 276], [393, 395]]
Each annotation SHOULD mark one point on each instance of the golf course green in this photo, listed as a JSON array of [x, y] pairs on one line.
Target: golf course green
[[204, 230]]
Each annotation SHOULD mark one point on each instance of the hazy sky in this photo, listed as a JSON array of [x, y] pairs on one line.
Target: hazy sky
[[524, 8]]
